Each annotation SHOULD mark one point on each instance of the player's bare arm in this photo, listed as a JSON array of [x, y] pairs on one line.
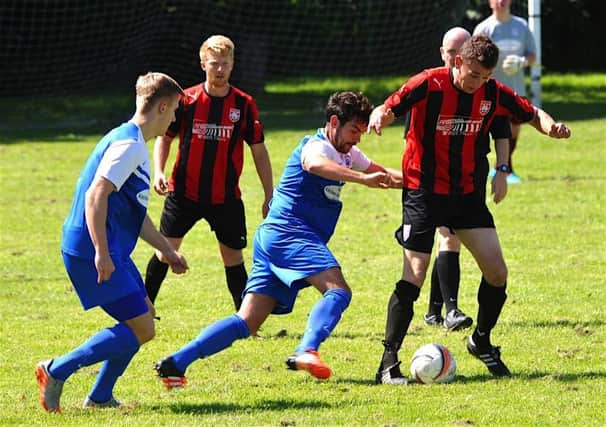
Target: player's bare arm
[[545, 124], [263, 166], [161, 151], [326, 168], [395, 176], [151, 235], [96, 217], [499, 182]]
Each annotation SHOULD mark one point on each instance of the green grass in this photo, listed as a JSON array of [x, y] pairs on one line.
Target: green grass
[[552, 329]]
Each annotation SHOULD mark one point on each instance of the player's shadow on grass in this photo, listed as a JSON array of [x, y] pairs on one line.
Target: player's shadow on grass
[[559, 323], [222, 407], [565, 178], [533, 376]]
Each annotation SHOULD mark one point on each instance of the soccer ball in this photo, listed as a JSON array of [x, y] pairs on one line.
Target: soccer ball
[[433, 363]]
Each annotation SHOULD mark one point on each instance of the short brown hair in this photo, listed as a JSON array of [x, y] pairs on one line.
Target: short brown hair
[[482, 49], [152, 86], [218, 44], [348, 106]]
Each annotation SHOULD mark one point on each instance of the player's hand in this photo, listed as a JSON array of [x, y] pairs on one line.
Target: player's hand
[[377, 180], [396, 181], [498, 187], [379, 119], [160, 184], [105, 267], [559, 130], [177, 262], [512, 64]]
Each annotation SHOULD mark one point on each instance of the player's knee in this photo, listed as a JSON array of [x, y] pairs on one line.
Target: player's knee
[[497, 276], [145, 333], [415, 271], [341, 296], [417, 277]]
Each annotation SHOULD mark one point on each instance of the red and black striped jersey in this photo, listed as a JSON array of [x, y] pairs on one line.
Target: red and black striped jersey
[[448, 138], [211, 133]]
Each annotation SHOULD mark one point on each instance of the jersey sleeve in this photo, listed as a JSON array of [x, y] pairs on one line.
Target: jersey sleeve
[[120, 160], [513, 105], [500, 127], [531, 47], [316, 147], [402, 100], [254, 127], [359, 161]]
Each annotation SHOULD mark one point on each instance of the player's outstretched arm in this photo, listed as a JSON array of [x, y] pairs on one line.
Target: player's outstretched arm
[[545, 124], [395, 179], [326, 168]]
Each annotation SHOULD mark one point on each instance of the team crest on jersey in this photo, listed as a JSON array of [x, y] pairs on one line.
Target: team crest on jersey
[[234, 115], [485, 107]]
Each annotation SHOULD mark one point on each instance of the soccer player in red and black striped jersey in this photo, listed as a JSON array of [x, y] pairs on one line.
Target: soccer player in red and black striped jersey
[[213, 122], [445, 169]]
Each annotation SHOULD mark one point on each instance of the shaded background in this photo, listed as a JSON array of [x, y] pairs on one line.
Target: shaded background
[[59, 47]]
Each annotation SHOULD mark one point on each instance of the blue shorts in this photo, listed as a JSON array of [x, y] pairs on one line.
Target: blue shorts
[[126, 308], [124, 283], [282, 260]]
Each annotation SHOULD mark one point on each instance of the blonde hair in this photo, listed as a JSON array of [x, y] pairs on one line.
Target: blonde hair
[[219, 44], [152, 87]]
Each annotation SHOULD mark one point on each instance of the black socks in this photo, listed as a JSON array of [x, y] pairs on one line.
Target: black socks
[[400, 311], [154, 276]]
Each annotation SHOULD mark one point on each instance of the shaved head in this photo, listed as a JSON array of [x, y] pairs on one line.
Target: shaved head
[[451, 43], [456, 35]]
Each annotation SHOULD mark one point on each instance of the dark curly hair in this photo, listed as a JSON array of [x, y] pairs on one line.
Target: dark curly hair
[[482, 49], [347, 106]]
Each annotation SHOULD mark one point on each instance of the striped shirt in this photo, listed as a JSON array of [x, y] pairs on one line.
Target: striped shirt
[[448, 138], [211, 133]]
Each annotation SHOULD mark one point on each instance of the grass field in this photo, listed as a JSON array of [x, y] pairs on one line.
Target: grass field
[[552, 330]]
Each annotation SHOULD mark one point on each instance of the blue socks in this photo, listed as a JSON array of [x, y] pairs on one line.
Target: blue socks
[[323, 318], [105, 344], [214, 338], [111, 370]]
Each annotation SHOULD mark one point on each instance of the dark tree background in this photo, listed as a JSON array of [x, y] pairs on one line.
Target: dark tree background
[[66, 46]]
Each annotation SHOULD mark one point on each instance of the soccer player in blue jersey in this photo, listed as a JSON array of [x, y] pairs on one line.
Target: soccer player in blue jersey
[[289, 250], [107, 216]]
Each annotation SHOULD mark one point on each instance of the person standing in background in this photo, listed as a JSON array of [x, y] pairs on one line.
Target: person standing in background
[[517, 51], [213, 122]]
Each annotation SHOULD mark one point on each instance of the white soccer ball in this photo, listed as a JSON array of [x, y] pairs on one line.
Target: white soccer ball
[[433, 363]]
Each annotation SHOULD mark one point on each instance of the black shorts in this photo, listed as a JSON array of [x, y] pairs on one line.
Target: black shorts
[[423, 212], [228, 220]]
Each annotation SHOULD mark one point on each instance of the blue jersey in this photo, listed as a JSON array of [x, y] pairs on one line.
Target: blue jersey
[[303, 197], [122, 158], [290, 244]]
